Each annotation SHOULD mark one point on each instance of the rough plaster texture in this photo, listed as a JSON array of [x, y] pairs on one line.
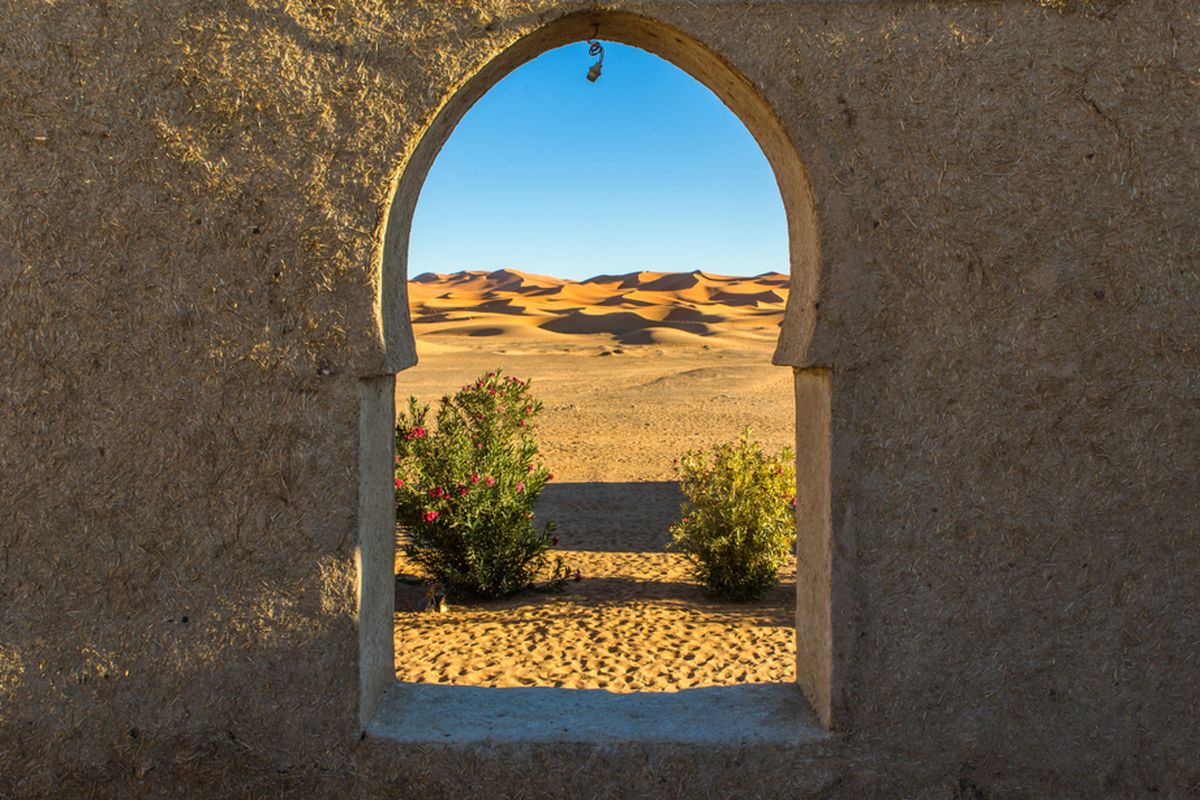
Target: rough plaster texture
[[194, 203]]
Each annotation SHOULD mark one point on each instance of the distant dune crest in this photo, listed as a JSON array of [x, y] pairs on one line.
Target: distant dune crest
[[637, 308]]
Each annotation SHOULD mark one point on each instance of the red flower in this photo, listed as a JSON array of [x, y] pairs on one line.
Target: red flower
[[437, 491], [429, 516], [521, 487], [521, 423], [528, 409], [416, 433], [462, 491], [399, 483], [489, 480], [474, 477]]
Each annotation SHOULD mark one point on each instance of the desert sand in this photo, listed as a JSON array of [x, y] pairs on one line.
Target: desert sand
[[633, 370]]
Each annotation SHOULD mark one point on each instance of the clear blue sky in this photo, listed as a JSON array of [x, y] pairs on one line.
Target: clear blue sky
[[645, 169]]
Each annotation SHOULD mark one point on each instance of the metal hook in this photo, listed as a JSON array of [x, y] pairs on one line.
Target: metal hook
[[595, 49]]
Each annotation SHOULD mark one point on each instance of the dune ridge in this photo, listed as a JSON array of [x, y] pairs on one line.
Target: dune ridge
[[635, 308]]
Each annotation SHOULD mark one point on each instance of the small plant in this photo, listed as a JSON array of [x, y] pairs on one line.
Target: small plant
[[738, 521], [465, 491]]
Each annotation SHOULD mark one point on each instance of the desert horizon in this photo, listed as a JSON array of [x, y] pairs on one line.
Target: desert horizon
[[633, 369], [634, 308]]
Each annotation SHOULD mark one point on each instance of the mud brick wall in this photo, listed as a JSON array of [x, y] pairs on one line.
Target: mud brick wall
[[1001, 290]]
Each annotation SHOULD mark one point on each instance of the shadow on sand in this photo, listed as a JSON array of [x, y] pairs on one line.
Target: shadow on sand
[[630, 517]]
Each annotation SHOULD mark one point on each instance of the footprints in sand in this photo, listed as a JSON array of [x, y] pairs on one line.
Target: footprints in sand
[[636, 623]]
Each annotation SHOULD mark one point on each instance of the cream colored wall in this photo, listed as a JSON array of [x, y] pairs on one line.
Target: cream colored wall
[[1005, 199]]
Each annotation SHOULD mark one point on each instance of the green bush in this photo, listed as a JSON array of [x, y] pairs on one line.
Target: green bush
[[465, 491], [738, 520]]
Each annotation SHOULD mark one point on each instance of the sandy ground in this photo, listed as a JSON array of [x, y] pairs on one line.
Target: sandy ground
[[617, 412]]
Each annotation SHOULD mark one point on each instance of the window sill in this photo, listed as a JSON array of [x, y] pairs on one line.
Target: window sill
[[775, 714]]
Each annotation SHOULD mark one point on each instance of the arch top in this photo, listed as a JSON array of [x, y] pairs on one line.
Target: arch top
[[688, 54]]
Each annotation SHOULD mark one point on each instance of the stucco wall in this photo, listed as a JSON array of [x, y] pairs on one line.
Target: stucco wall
[[194, 197]]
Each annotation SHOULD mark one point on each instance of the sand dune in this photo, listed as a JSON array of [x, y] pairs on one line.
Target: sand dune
[[632, 309], [689, 364]]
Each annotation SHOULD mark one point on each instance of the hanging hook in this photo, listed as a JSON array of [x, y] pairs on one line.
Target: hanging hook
[[595, 49]]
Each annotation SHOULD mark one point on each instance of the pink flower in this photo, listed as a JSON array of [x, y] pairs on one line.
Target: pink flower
[[685, 520], [521, 487], [521, 423], [489, 480], [528, 410], [499, 409], [399, 483], [416, 433], [474, 477], [492, 390], [437, 491], [462, 491], [479, 445], [429, 516]]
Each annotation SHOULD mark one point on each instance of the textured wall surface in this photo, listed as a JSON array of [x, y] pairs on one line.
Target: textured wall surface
[[192, 204]]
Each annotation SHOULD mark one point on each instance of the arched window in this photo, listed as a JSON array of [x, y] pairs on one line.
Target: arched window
[[814, 665]]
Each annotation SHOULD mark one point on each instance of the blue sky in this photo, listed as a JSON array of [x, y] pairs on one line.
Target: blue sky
[[644, 169]]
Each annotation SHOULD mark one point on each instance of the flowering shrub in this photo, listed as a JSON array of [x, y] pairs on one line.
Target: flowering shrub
[[465, 491], [738, 522]]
